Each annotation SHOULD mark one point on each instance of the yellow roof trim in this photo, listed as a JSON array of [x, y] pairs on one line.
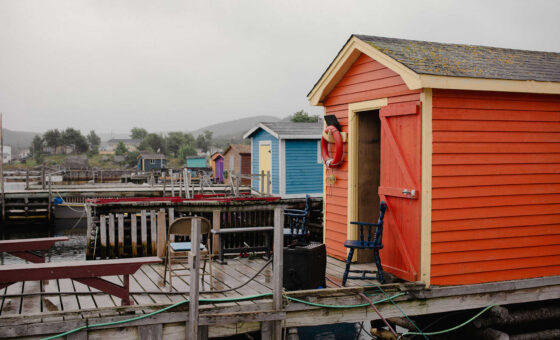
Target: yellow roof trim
[[484, 84], [354, 47], [342, 63]]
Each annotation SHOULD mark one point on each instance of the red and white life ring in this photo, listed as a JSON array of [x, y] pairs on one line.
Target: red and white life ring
[[336, 160]]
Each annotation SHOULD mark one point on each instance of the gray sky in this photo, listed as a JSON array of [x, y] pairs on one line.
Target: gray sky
[[180, 65]]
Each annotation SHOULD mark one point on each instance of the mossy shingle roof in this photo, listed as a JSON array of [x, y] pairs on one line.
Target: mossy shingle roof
[[295, 129], [457, 60]]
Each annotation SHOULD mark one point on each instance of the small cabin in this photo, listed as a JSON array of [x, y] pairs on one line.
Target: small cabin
[[196, 162], [148, 161], [237, 160], [291, 152], [217, 167], [462, 143]]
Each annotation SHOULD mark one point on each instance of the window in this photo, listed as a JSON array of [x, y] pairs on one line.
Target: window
[[231, 163], [152, 161]]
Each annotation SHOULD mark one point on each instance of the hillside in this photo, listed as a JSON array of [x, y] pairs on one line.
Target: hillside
[[18, 139], [235, 127]]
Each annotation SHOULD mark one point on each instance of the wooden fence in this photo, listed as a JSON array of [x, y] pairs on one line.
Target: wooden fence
[[140, 229]]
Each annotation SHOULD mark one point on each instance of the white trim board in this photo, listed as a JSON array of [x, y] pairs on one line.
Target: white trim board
[[282, 167]]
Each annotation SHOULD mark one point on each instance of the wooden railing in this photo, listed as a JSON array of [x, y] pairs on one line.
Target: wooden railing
[[140, 228]]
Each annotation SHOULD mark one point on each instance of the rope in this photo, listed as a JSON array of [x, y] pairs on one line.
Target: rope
[[453, 328], [402, 312], [374, 308], [243, 298]]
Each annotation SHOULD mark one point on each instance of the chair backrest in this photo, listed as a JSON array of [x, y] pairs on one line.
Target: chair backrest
[[378, 236], [183, 225], [298, 220]]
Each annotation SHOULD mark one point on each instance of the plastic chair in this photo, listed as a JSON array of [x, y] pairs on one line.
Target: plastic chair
[[363, 243], [297, 232], [178, 252]]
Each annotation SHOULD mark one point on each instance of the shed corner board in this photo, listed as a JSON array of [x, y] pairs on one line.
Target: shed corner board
[[426, 185]]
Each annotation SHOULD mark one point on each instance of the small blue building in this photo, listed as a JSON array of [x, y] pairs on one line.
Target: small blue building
[[292, 154], [148, 161]]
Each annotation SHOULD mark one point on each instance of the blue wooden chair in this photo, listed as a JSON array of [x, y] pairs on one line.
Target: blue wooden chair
[[362, 243], [297, 232]]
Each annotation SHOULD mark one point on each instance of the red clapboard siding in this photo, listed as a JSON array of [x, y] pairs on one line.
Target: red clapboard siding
[[468, 181], [365, 80], [496, 186], [496, 254]]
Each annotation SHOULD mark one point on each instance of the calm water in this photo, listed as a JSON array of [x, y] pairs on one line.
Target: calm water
[[71, 250]]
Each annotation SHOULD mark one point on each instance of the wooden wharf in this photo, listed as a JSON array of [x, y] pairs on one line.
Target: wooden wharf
[[35, 203], [32, 310]]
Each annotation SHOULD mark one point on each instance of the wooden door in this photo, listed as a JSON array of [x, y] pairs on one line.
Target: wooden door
[[265, 162], [400, 188]]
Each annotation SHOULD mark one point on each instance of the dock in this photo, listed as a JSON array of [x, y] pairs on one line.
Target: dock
[[36, 203], [35, 309]]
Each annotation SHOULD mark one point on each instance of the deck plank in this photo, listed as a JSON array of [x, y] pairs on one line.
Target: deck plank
[[85, 301], [12, 304], [69, 302], [52, 303], [31, 304]]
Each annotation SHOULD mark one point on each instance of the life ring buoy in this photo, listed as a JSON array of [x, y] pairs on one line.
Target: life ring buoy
[[334, 161]]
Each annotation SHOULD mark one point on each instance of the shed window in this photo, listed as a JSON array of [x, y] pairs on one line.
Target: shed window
[[152, 161], [231, 163]]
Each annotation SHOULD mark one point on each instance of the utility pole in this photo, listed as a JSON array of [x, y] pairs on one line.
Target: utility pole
[[2, 172]]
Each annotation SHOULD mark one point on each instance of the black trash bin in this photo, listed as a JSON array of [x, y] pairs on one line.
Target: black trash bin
[[305, 266]]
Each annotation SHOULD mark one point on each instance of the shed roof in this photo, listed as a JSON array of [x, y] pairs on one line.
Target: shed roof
[[216, 155], [151, 155], [240, 148], [423, 64], [459, 60], [290, 130]]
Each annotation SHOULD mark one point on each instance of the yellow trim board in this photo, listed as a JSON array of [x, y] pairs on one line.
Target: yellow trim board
[[426, 195], [352, 208], [354, 47]]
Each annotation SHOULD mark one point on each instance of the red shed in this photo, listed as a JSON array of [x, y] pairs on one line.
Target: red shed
[[462, 142]]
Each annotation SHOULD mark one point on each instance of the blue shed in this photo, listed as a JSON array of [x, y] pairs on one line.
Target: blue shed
[[292, 154], [148, 161], [197, 162]]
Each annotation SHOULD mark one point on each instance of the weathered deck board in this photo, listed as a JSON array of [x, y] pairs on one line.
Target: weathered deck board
[[147, 288], [11, 305]]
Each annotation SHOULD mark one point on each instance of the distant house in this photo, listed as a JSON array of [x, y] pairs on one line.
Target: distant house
[[119, 159], [217, 167], [109, 146], [148, 161], [75, 162], [7, 154], [237, 160], [23, 154], [292, 153]]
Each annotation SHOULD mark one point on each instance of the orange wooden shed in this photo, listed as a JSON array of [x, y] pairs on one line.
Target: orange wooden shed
[[462, 142]]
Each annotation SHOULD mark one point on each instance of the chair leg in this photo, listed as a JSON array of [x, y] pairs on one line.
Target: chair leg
[[347, 269], [203, 272], [165, 268], [379, 267], [170, 262], [210, 271]]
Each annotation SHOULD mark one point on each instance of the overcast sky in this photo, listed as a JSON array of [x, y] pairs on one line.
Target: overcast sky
[[180, 65]]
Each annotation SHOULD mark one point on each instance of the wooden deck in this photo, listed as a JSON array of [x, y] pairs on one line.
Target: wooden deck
[[25, 313], [146, 288]]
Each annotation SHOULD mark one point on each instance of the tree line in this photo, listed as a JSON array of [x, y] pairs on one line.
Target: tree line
[[58, 142], [174, 144]]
